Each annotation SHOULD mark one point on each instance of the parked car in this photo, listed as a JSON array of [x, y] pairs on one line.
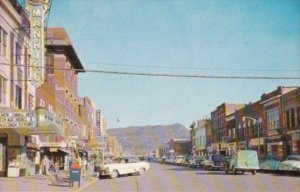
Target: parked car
[[197, 161], [124, 165], [214, 161], [179, 159], [187, 159], [242, 161], [269, 163], [291, 164]]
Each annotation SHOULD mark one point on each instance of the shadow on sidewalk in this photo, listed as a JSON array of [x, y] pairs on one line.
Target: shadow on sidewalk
[[60, 185]]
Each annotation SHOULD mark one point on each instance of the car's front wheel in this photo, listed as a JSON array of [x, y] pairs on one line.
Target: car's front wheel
[[114, 174]]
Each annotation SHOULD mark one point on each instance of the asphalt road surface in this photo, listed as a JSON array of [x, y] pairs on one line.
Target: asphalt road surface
[[167, 178]]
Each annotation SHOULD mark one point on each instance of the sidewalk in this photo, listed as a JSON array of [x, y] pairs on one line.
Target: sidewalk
[[41, 183]]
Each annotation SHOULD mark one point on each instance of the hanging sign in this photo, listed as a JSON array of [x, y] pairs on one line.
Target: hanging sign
[[37, 9]]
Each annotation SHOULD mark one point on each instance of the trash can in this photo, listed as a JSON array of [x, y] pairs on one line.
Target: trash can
[[75, 174], [13, 171]]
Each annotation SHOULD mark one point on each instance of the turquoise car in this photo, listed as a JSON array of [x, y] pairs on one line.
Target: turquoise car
[[269, 163], [242, 161]]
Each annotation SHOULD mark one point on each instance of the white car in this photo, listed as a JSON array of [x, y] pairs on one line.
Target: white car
[[292, 164], [124, 165]]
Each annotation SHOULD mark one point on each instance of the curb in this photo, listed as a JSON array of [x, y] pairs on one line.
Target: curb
[[87, 184]]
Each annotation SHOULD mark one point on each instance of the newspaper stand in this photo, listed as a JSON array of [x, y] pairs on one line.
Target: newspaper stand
[[75, 174]]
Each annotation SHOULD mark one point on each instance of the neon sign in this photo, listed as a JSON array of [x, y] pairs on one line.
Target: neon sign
[[37, 10]]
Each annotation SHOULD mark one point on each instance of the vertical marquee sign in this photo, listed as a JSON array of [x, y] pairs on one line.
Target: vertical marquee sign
[[37, 9], [98, 123]]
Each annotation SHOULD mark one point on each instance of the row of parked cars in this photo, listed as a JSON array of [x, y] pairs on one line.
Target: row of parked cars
[[239, 161]]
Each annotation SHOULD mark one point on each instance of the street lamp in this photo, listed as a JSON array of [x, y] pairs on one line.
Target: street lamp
[[257, 123]]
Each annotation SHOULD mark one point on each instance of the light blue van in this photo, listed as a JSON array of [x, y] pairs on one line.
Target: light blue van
[[242, 161]]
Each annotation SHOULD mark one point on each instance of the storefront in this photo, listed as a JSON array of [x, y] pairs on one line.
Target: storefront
[[19, 156], [275, 146], [295, 143], [242, 145], [3, 158], [231, 147], [258, 145], [57, 153]]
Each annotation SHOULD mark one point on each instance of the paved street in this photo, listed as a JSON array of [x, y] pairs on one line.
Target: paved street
[[165, 178], [175, 178]]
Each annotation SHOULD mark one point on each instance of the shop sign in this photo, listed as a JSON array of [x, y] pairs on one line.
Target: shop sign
[[32, 145], [272, 132], [52, 149], [25, 119], [53, 144], [223, 145]]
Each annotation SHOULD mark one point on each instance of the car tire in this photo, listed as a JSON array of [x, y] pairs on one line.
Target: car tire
[[226, 170], [114, 174], [234, 170], [141, 171], [253, 172]]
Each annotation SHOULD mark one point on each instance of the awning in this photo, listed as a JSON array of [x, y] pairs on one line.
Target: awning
[[65, 150]]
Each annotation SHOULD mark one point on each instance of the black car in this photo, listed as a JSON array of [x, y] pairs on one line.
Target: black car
[[214, 162]]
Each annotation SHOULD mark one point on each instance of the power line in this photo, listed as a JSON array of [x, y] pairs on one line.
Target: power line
[[170, 75], [180, 67], [191, 68]]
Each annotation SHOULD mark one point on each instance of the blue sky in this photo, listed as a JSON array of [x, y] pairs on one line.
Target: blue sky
[[232, 38]]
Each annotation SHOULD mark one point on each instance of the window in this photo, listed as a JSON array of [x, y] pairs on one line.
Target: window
[[31, 102], [273, 119], [3, 42], [233, 133], [18, 54], [42, 103], [290, 118], [18, 98], [49, 62], [298, 116], [2, 89], [287, 119]]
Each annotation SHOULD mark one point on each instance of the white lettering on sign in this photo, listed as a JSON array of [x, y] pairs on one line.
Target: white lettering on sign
[[17, 119]]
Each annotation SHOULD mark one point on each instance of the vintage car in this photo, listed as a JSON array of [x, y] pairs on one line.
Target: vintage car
[[123, 166], [179, 160], [269, 163], [214, 162], [291, 164], [196, 161], [242, 161]]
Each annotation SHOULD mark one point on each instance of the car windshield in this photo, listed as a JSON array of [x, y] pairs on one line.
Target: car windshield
[[218, 158], [293, 158]]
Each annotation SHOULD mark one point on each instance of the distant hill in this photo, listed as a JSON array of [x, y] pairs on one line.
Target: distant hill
[[143, 139]]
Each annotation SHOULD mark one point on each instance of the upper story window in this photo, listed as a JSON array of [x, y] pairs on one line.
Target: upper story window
[[18, 98], [2, 90], [273, 119], [3, 42], [18, 54], [49, 63], [31, 102]]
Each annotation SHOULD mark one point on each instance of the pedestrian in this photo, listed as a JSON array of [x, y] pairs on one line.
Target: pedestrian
[[85, 163], [90, 167], [97, 164], [46, 165]]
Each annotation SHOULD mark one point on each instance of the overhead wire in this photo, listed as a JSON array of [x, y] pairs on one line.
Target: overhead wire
[[167, 75]]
